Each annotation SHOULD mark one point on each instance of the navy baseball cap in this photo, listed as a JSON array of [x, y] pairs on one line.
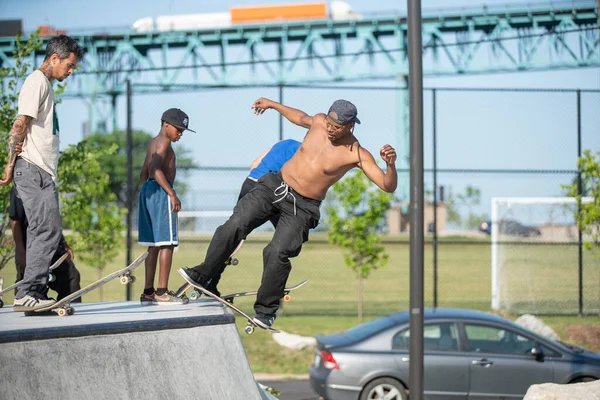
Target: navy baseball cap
[[176, 117], [343, 112]]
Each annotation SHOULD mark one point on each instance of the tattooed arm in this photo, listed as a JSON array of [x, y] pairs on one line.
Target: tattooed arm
[[15, 143]]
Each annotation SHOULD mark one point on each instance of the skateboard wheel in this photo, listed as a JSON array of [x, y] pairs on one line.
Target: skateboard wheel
[[124, 280], [194, 296], [1, 304], [249, 329], [234, 261], [62, 312], [51, 278], [287, 297], [70, 311], [131, 279]]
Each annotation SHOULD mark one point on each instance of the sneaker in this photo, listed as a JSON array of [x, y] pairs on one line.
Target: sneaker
[[32, 302], [168, 299], [146, 299], [266, 321], [193, 277]]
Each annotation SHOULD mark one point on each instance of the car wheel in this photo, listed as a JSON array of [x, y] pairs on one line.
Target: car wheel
[[384, 388], [583, 379]]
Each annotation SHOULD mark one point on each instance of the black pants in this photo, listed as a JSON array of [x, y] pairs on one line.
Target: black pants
[[297, 215], [67, 278], [247, 186]]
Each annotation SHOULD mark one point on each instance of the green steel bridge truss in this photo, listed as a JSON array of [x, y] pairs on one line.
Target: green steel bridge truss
[[455, 42]]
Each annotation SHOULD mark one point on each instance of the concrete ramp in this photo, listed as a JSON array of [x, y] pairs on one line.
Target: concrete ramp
[[121, 350]]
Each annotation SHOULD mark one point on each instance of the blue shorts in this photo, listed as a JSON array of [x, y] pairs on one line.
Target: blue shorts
[[157, 224]]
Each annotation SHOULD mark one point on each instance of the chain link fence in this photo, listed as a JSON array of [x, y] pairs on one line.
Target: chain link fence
[[480, 144]]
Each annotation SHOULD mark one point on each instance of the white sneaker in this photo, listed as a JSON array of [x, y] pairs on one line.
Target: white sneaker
[[32, 303]]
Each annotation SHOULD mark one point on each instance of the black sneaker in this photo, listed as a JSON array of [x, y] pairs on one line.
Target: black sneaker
[[266, 321], [193, 277], [146, 299]]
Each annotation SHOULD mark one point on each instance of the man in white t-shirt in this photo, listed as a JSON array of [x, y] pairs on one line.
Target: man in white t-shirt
[[34, 169]]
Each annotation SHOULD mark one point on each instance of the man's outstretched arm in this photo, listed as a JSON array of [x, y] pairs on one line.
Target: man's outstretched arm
[[15, 143], [293, 115], [388, 180]]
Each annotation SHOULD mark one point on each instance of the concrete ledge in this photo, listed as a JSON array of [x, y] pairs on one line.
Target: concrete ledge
[[109, 318], [575, 391], [125, 351]]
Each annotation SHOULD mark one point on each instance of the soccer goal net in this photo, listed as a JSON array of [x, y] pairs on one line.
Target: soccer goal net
[[536, 258]]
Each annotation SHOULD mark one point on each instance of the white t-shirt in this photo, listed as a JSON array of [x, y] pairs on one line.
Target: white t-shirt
[[41, 145]]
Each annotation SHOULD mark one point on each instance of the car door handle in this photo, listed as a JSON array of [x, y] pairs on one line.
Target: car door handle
[[484, 362]]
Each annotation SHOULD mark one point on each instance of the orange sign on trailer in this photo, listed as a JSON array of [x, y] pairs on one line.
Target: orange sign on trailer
[[48, 30], [278, 13]]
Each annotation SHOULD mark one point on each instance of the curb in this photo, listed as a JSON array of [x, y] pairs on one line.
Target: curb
[[280, 377]]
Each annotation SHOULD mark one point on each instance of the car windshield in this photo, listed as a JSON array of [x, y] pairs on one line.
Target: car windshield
[[574, 348]]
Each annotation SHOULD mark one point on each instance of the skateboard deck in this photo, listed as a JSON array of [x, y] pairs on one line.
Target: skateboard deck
[[195, 295], [249, 326], [52, 267], [62, 307], [286, 293]]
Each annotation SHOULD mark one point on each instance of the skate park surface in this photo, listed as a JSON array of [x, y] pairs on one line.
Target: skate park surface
[[125, 350]]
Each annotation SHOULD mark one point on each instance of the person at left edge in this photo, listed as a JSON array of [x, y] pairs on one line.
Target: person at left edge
[[34, 169]]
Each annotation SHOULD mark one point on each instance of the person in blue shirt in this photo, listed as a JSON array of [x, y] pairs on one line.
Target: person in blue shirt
[[271, 160]]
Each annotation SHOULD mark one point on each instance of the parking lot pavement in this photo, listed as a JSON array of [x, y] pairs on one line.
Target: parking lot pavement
[[298, 389]]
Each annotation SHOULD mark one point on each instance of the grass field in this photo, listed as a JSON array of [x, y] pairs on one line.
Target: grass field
[[463, 276], [328, 302], [544, 274]]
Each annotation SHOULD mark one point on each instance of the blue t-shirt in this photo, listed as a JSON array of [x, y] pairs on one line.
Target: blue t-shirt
[[276, 157]]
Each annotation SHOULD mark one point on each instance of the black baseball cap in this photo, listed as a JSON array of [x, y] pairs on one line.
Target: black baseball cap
[[177, 118], [343, 112]]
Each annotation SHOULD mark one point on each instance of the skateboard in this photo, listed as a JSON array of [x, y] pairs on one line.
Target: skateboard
[[51, 277], [286, 293], [195, 294], [63, 306], [250, 324]]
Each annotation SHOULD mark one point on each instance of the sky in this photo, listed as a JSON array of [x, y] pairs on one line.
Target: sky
[[475, 130]]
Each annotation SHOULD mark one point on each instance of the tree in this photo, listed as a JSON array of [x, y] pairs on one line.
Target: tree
[[363, 208], [115, 164], [89, 207], [11, 79], [588, 214], [469, 199], [452, 214]]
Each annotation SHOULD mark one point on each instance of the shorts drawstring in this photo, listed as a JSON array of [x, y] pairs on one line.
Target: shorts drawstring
[[283, 190]]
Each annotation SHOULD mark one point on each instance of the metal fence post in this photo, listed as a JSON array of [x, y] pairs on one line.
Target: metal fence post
[[435, 201], [280, 116], [415, 86], [579, 193], [129, 182]]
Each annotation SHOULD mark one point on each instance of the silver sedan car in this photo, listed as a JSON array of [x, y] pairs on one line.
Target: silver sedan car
[[468, 355]]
